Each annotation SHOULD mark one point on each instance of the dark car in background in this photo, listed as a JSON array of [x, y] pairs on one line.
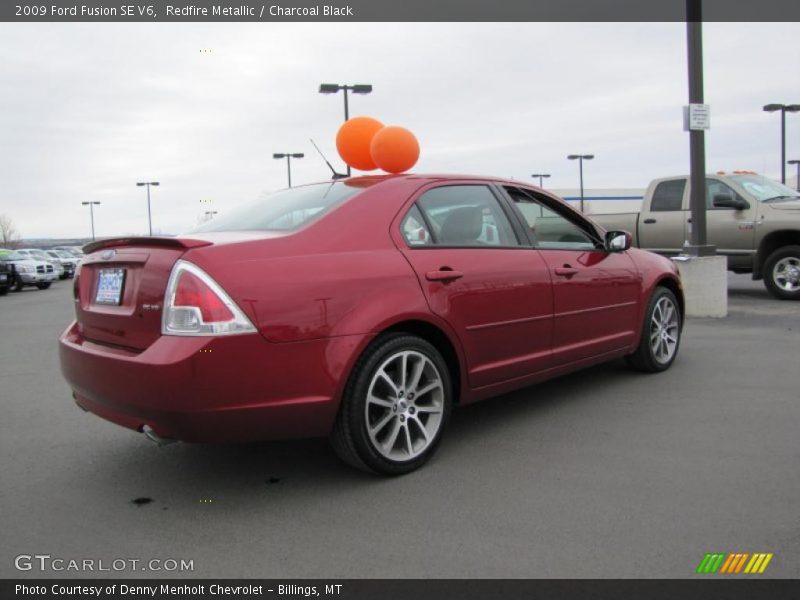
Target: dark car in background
[[6, 276]]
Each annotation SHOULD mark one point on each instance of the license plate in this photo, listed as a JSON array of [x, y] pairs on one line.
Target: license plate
[[109, 286], [3, 277]]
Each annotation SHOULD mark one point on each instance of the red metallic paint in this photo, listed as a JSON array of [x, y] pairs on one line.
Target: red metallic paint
[[318, 296]]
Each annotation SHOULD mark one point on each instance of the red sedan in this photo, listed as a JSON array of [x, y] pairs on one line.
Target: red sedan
[[363, 309]]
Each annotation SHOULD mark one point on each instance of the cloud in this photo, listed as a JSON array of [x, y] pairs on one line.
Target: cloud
[[86, 110]]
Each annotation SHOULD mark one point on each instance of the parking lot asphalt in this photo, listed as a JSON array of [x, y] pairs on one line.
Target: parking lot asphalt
[[603, 473]]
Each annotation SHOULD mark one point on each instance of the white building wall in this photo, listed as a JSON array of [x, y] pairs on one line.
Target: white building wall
[[604, 200]]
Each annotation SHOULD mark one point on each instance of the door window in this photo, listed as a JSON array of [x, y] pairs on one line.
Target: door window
[[714, 187], [462, 216], [551, 229], [668, 195]]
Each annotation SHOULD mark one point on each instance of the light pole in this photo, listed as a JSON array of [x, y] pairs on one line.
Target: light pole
[[797, 180], [149, 218], [541, 177], [289, 156], [332, 88], [91, 213], [580, 158], [697, 244], [784, 108]]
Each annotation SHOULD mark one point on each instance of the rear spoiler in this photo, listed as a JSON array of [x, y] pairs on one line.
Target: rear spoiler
[[163, 242]]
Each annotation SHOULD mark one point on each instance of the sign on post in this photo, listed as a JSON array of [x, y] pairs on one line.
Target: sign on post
[[696, 117]]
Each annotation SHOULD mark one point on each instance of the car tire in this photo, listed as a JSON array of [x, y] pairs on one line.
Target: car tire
[[3, 290], [661, 333], [395, 407], [43, 286], [782, 273]]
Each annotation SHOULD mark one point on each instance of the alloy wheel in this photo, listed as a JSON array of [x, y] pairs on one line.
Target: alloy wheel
[[404, 405], [664, 330]]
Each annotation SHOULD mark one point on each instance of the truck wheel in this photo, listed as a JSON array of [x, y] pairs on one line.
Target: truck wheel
[[661, 334], [395, 406], [782, 273], [43, 286], [3, 290]]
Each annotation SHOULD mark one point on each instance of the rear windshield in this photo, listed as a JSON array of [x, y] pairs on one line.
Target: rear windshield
[[286, 210]]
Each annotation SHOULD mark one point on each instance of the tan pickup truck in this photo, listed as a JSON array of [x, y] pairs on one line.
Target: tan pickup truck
[[752, 220]]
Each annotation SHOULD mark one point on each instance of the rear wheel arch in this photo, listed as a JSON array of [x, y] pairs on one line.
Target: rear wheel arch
[[428, 331], [439, 340]]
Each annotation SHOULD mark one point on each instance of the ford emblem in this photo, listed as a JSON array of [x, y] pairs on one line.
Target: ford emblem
[[108, 254]]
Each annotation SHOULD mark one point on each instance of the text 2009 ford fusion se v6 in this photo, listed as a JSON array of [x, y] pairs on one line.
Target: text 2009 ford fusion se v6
[[363, 309]]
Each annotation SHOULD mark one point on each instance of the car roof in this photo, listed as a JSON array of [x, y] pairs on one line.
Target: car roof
[[367, 180]]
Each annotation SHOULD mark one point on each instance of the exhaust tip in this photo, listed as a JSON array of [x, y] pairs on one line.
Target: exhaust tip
[[151, 435]]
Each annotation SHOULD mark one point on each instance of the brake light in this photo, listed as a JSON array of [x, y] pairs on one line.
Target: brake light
[[193, 292], [195, 304], [76, 286]]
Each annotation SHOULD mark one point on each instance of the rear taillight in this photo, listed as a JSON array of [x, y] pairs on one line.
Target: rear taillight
[[196, 305], [76, 286]]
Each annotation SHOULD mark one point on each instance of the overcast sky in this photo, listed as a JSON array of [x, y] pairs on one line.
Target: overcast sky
[[86, 110]]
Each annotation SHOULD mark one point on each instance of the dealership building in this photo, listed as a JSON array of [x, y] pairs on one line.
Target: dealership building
[[604, 200]]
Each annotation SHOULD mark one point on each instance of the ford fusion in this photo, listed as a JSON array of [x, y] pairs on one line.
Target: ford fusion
[[363, 309]]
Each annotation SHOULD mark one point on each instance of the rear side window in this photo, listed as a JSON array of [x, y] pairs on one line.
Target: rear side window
[[668, 195], [414, 229], [283, 211], [466, 215]]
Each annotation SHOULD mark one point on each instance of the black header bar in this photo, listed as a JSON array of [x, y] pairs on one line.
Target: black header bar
[[703, 587], [150, 11]]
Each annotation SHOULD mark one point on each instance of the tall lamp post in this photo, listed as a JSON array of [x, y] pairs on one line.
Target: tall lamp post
[[332, 88], [289, 156], [784, 108], [149, 218], [580, 158], [697, 121], [541, 177], [91, 213], [797, 180]]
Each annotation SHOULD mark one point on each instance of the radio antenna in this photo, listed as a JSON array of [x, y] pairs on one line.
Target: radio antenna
[[335, 174]]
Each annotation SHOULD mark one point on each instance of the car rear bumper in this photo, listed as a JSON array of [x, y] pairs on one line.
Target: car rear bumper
[[199, 389]]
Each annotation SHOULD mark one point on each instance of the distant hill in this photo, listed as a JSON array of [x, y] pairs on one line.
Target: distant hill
[[51, 242]]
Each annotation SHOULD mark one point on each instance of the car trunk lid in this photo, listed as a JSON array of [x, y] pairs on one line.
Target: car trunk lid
[[119, 291]]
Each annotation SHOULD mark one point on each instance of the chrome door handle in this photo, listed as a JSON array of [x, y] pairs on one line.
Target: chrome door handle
[[565, 271]]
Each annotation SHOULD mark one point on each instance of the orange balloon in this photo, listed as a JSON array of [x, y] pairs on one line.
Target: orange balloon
[[353, 142], [394, 149]]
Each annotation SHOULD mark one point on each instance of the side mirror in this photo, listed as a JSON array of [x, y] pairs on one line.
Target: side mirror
[[618, 241], [728, 201]]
